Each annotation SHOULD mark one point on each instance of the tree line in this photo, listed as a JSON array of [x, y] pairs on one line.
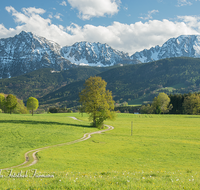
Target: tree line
[[10, 104], [185, 103], [59, 110], [174, 104]]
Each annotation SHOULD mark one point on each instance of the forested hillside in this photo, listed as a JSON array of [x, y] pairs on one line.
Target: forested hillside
[[41, 82], [138, 83], [145, 81]]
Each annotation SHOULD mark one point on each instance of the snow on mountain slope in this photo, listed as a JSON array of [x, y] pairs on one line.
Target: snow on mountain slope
[[94, 54], [183, 46], [27, 52]]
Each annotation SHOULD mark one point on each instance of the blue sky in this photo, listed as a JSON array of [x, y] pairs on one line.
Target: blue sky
[[126, 25]]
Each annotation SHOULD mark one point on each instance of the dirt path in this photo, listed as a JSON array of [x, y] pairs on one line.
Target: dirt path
[[35, 151]]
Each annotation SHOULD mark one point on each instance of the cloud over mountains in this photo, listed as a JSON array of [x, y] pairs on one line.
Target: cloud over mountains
[[125, 37], [98, 8]]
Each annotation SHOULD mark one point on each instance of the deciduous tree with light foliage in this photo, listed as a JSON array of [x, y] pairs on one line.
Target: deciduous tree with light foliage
[[2, 102], [97, 101], [191, 104], [11, 102], [32, 104], [161, 103]]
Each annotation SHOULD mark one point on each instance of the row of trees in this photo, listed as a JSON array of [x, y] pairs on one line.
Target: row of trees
[[59, 110], [10, 104], [185, 103], [160, 104], [174, 104], [191, 104]]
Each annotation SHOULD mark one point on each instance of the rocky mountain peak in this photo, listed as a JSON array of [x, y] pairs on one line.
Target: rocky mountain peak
[[182, 46], [94, 54], [27, 52]]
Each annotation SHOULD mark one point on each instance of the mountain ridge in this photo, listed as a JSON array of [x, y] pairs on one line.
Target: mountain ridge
[[27, 52], [95, 54], [182, 46]]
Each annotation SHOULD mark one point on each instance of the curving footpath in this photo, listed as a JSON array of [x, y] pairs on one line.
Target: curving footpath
[[35, 151]]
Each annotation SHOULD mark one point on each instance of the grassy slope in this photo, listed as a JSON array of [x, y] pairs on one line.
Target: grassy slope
[[21, 133], [163, 152], [158, 142]]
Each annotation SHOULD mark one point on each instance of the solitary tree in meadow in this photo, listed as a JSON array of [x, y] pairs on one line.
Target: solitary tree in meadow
[[11, 102], [97, 101], [32, 104]]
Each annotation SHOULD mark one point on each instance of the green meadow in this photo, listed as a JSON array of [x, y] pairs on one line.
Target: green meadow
[[162, 153]]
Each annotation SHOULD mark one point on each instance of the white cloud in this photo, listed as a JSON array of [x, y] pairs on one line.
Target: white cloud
[[133, 37], [125, 8], [33, 10], [50, 15], [58, 16], [124, 37], [191, 21], [63, 3], [98, 8], [32, 22], [184, 2], [149, 15]]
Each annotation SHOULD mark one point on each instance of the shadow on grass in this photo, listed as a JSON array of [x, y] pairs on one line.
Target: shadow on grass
[[193, 116], [43, 122]]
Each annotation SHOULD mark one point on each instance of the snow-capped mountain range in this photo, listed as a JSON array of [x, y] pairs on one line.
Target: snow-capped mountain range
[[27, 52], [95, 54], [183, 46]]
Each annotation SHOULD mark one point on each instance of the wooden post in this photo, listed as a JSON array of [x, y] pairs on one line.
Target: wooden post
[[131, 128]]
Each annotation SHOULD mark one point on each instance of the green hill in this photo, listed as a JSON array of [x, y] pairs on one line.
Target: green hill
[[137, 83], [41, 82], [144, 81]]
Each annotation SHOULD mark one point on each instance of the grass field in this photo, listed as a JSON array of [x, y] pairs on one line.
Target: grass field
[[162, 153]]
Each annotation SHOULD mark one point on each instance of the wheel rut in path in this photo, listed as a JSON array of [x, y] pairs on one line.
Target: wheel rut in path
[[35, 151]]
